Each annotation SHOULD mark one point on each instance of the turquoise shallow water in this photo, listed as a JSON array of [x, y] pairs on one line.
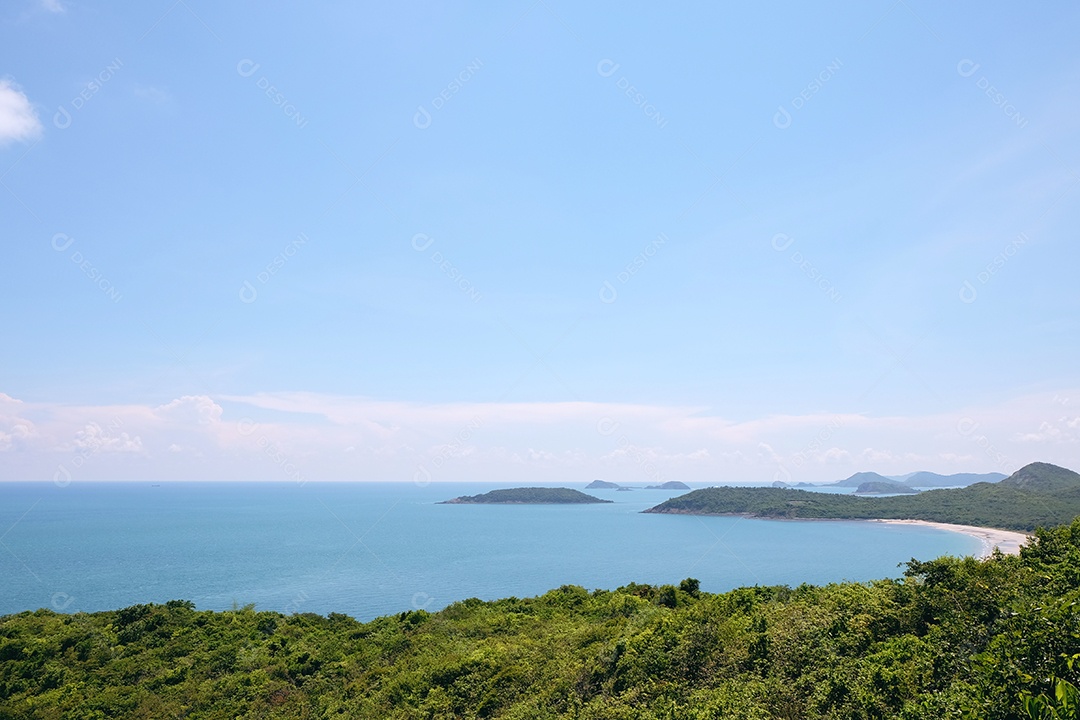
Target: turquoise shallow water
[[377, 548]]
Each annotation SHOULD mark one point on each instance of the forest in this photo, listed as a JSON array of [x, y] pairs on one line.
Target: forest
[[947, 638], [1038, 494]]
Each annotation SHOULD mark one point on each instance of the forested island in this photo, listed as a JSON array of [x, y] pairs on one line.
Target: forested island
[[527, 495], [1036, 495], [881, 487], [985, 639]]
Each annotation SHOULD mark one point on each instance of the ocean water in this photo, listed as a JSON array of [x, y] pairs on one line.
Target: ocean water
[[370, 549]]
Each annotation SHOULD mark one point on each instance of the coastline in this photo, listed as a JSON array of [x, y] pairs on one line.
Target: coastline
[[1008, 541]]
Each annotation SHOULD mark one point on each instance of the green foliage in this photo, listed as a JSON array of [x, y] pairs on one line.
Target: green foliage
[[883, 486], [954, 638], [530, 495], [1037, 495]]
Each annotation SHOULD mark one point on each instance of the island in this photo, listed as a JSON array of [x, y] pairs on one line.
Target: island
[[1036, 495], [884, 487], [669, 485], [527, 496], [605, 485]]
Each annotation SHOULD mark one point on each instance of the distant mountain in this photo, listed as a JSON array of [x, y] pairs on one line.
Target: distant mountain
[[527, 495], [888, 487], [1036, 495], [929, 479], [605, 485], [858, 479], [922, 479]]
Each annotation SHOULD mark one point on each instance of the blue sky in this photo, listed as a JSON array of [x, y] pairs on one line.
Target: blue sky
[[537, 242]]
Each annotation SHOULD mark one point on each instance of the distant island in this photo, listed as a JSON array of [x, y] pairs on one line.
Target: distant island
[[920, 479], [527, 496], [884, 487], [1036, 495], [605, 485]]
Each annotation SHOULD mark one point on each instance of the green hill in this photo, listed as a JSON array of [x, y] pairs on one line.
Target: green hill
[[881, 487], [953, 638], [858, 479], [528, 495], [1036, 495]]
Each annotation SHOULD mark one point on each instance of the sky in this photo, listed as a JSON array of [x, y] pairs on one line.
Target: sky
[[538, 241]]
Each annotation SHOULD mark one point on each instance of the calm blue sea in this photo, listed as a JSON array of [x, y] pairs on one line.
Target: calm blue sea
[[376, 548]]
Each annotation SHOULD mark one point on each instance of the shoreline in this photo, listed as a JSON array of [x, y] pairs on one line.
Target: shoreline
[[1008, 541]]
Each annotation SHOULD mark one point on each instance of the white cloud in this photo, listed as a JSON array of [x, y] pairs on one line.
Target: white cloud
[[15, 430], [18, 120], [93, 438], [198, 409], [282, 436], [1062, 430], [53, 6]]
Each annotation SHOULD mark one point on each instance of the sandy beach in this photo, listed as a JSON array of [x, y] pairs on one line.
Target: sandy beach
[[1008, 541]]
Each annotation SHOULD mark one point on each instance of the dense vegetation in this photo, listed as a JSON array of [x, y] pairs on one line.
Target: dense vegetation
[[534, 495], [883, 486], [1036, 495], [954, 638]]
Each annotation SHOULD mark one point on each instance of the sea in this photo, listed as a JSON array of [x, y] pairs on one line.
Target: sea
[[372, 549]]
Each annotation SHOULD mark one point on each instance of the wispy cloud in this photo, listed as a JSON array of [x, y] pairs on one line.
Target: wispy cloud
[[53, 6], [154, 95]]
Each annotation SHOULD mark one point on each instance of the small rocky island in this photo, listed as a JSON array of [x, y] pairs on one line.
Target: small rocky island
[[527, 496]]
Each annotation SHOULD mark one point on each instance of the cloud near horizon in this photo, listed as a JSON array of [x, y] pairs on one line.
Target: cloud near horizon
[[296, 436]]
